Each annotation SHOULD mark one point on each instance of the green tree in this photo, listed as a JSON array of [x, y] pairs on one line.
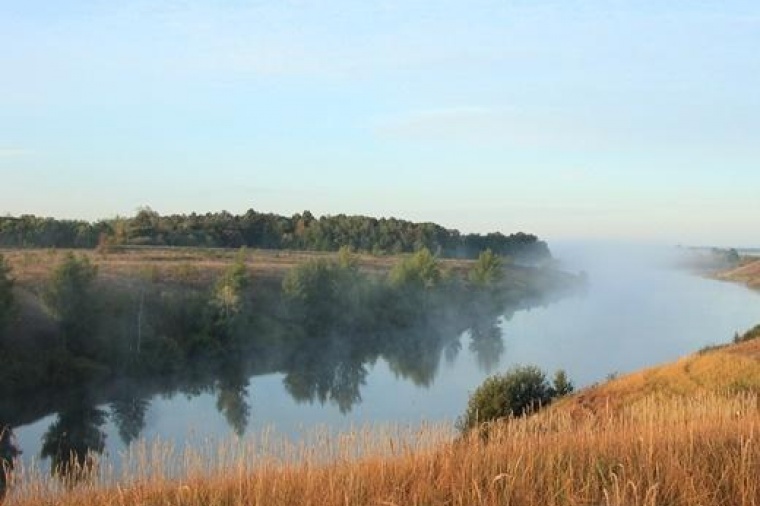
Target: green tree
[[517, 392], [488, 269], [230, 288], [561, 385], [7, 301], [421, 270], [71, 300]]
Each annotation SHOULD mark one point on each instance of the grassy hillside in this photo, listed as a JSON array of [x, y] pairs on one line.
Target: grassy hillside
[[727, 370], [683, 433], [748, 273]]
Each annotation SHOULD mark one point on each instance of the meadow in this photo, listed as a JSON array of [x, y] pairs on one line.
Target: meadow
[[699, 450]]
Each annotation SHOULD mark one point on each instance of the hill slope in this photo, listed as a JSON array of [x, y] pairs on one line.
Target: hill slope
[[729, 369], [748, 273]]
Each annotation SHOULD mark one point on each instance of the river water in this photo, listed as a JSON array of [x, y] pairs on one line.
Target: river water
[[635, 312]]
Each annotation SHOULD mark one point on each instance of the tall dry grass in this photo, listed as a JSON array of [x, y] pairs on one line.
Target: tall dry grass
[[700, 450]]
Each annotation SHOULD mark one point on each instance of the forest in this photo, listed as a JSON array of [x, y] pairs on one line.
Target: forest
[[302, 231]]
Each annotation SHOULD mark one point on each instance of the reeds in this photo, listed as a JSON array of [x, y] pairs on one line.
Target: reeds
[[697, 450]]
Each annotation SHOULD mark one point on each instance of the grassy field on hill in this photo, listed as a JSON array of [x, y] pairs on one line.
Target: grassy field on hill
[[747, 272]]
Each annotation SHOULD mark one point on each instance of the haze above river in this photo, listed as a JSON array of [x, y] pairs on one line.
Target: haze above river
[[635, 312]]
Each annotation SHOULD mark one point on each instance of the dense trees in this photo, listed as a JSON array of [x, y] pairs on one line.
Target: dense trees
[[266, 230]]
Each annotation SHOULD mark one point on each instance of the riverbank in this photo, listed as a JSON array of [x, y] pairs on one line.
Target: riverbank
[[654, 440], [747, 273]]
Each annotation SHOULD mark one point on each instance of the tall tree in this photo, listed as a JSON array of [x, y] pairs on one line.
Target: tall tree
[[488, 269], [70, 298]]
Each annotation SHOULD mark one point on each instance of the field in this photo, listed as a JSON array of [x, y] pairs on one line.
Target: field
[[186, 265]]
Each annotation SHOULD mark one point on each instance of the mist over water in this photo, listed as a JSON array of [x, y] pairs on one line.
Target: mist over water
[[636, 311]]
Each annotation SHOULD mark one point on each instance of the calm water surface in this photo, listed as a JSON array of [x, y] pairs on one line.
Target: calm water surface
[[634, 313]]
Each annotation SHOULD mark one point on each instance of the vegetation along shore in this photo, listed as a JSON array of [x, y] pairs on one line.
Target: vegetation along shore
[[177, 318]]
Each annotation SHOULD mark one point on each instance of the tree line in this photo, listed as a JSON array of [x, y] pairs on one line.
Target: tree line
[[302, 231]]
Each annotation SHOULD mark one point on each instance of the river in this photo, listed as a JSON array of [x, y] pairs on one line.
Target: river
[[635, 312]]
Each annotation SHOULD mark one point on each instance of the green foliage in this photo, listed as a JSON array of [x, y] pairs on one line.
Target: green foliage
[[7, 301], [324, 294], [519, 391], [70, 299], [488, 269], [561, 384], [230, 288], [420, 270], [265, 230]]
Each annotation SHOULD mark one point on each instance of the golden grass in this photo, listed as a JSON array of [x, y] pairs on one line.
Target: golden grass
[[748, 273], [698, 450], [32, 267], [731, 368]]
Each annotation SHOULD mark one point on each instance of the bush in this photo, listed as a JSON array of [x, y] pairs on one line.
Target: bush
[[520, 391], [420, 270], [488, 270]]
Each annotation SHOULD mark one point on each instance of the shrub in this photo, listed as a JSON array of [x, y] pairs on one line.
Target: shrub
[[420, 270], [520, 391], [488, 269]]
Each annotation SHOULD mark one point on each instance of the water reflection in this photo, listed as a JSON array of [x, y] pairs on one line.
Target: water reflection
[[128, 414], [75, 439], [325, 352], [325, 370], [487, 344], [232, 395]]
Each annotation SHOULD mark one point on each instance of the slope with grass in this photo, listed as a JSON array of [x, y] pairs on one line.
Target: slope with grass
[[683, 433], [725, 369], [747, 272]]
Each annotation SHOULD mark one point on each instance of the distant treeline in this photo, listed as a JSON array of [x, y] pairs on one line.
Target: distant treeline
[[265, 230]]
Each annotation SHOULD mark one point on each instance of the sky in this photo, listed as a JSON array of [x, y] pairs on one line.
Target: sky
[[568, 119]]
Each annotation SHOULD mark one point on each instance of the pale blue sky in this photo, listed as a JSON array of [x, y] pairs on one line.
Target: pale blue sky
[[625, 119]]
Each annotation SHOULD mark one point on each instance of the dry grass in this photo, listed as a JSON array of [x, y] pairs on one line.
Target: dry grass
[[700, 450], [733, 368], [748, 273], [197, 266]]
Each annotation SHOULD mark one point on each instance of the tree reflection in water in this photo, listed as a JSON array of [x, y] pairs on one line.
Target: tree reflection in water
[[75, 439], [323, 347], [487, 344], [232, 395], [128, 414]]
